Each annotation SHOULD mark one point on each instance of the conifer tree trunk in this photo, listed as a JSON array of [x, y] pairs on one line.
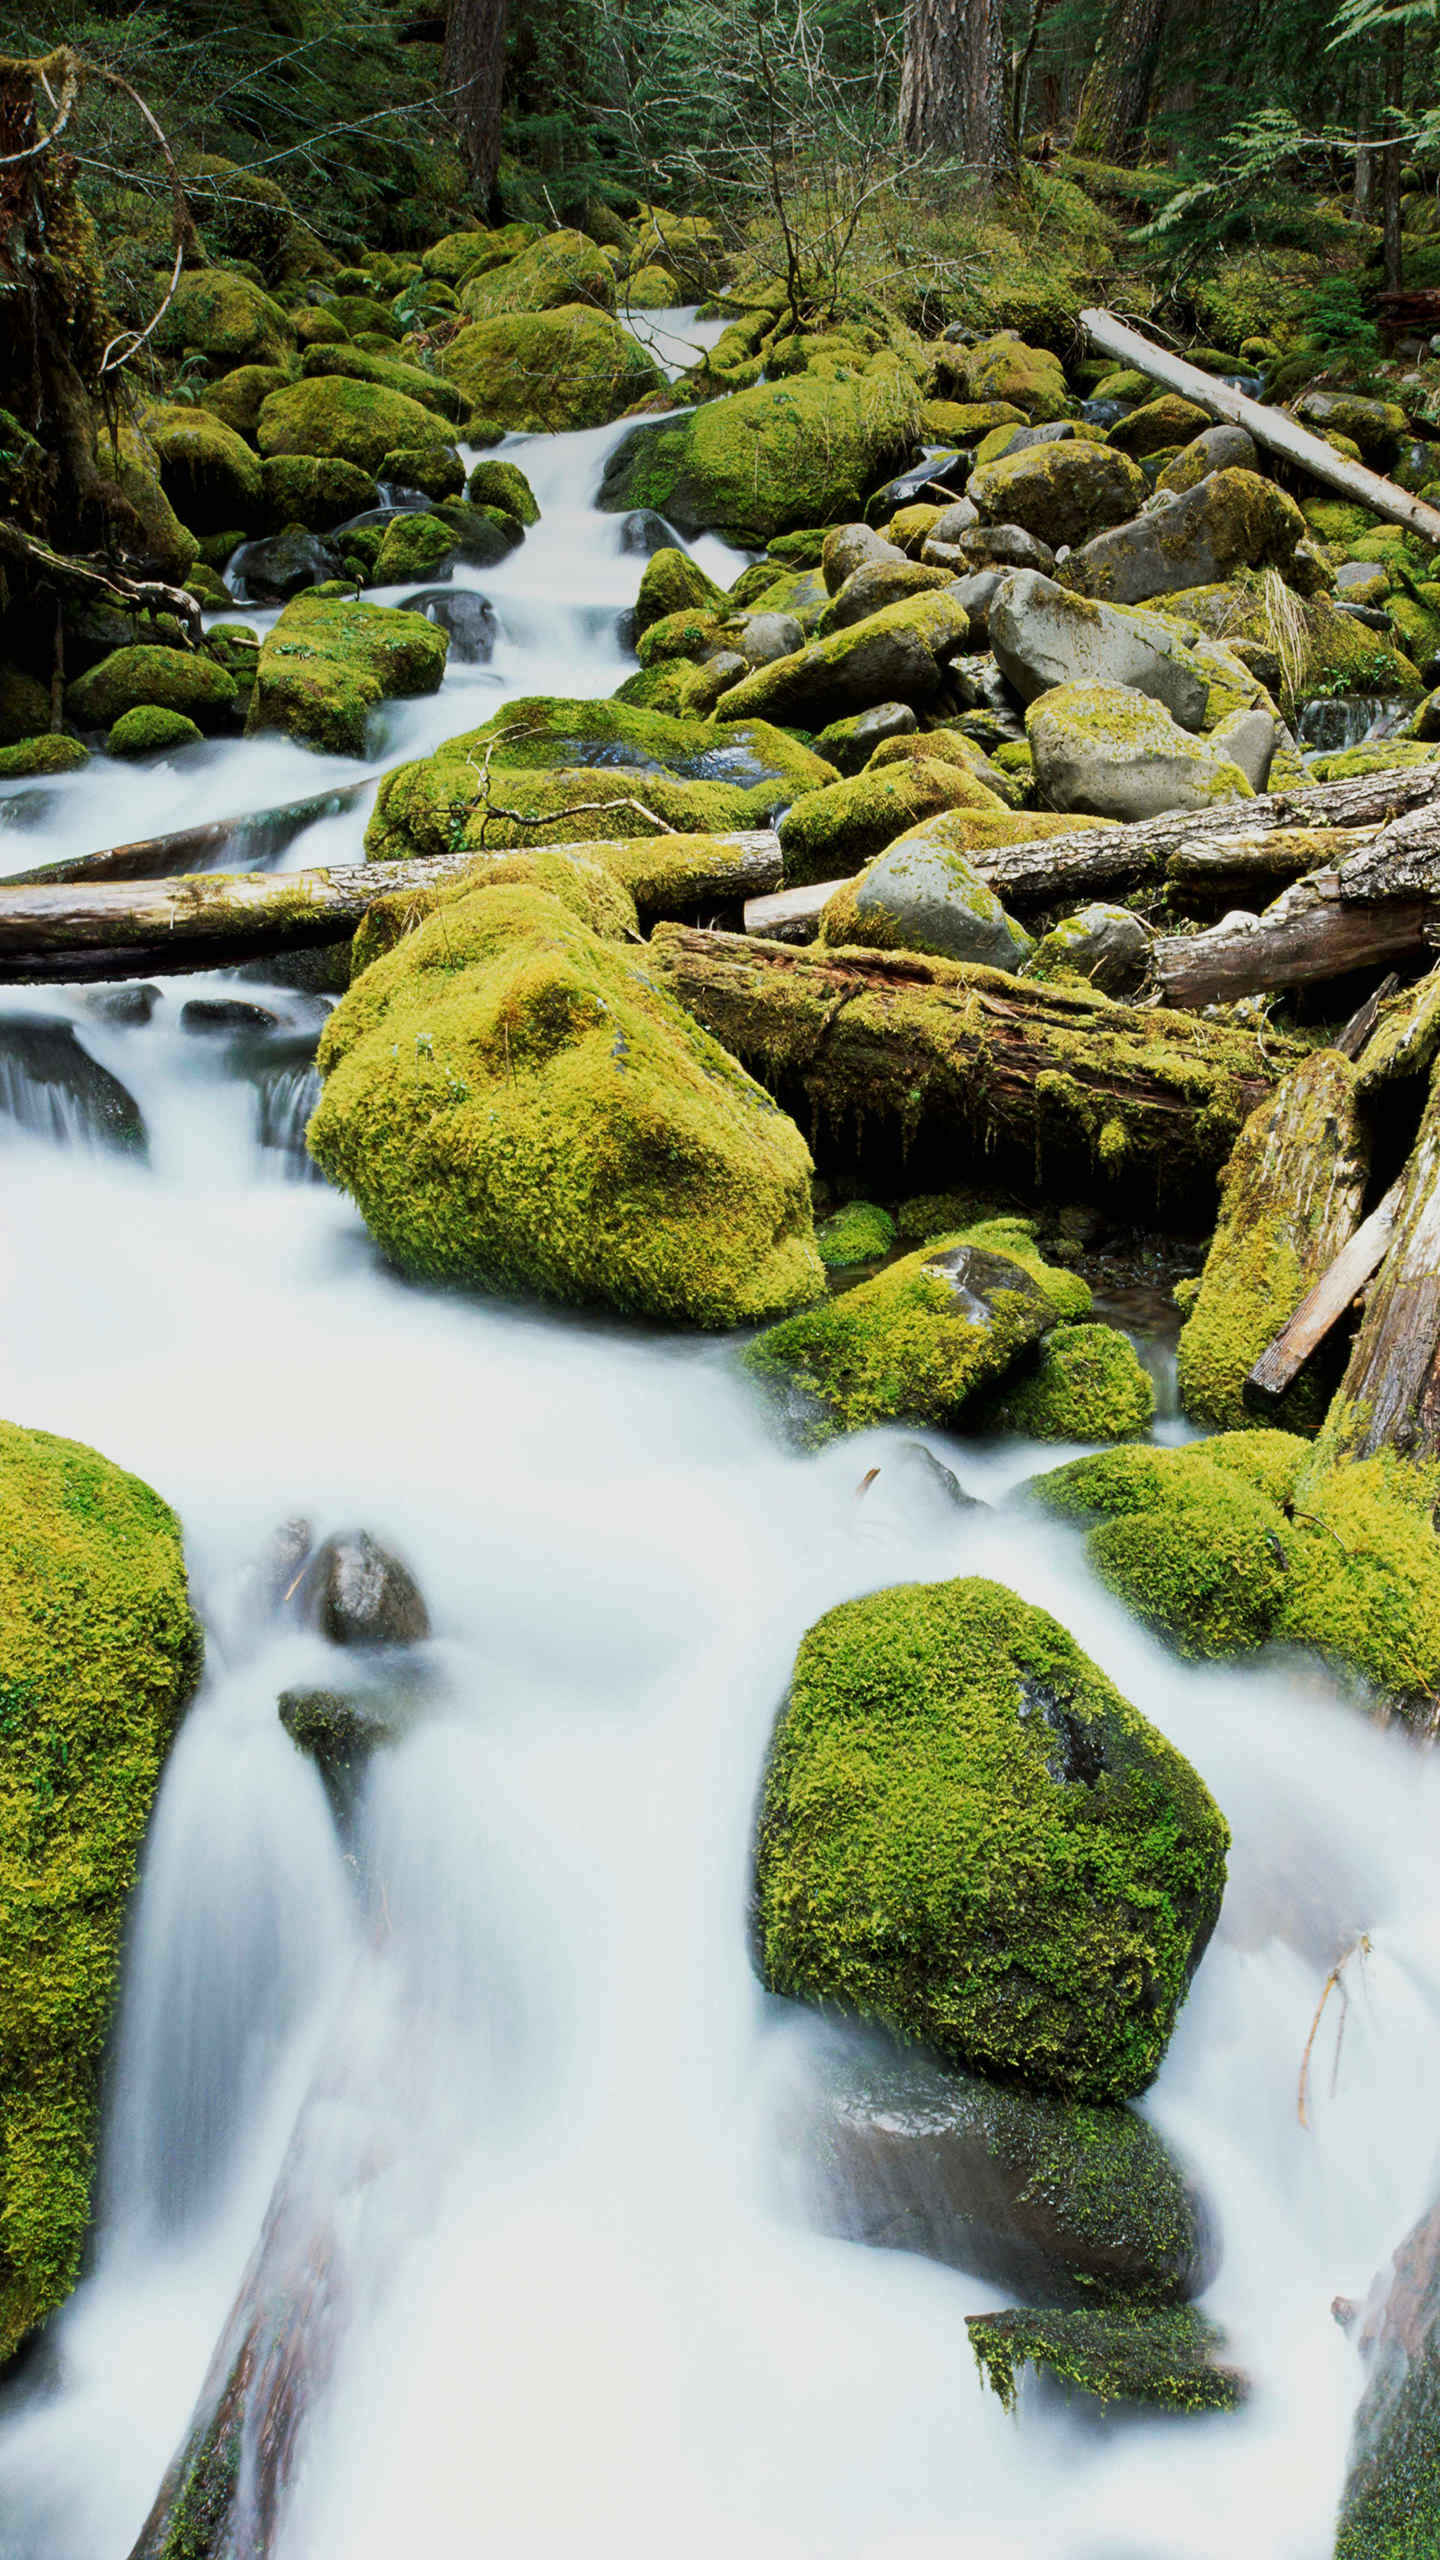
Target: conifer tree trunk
[[952, 89], [1114, 103], [1393, 57], [473, 75]]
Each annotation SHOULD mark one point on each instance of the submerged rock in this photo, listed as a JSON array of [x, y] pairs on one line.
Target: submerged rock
[[467, 619], [967, 1834], [280, 566], [356, 1593], [1166, 2359], [55, 1089], [340, 1732], [1390, 2509]]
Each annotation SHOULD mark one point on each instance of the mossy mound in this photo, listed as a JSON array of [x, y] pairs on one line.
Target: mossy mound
[[515, 1106], [497, 483], [1062, 493], [671, 582], [207, 470], [801, 452], [99, 1650], [1250, 1538], [1164, 2359], [547, 372], [328, 663], [860, 1232], [358, 421], [583, 879], [833, 833], [317, 490], [1336, 654], [1030, 379], [918, 1341], [896, 655], [220, 313], [128, 457], [1088, 1384], [968, 1834], [25, 758], [148, 730], [389, 373], [560, 267], [238, 397], [173, 679]]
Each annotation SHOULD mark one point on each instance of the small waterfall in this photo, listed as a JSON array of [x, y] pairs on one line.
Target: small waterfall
[[1333, 723], [52, 1088]]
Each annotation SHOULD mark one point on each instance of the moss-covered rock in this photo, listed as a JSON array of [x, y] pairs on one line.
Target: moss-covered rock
[[1160, 425], [498, 483], [150, 730], [923, 895], [1114, 753], [1062, 493], [174, 679], [239, 396], [460, 253], [801, 452], [1087, 1384], [1168, 2360], [1230, 520], [560, 267], [964, 422], [515, 1106], [1328, 651], [1030, 379], [316, 490], [99, 1650], [24, 705], [26, 758], [414, 546], [220, 313], [832, 833], [127, 456], [967, 1833], [860, 1232], [391, 373], [207, 470], [671, 582], [1391, 2505], [358, 421], [329, 662], [896, 655], [319, 328], [548, 372]]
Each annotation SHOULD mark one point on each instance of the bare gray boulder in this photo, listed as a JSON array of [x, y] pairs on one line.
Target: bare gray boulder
[[355, 1592], [1042, 635], [1116, 754], [767, 636], [920, 895], [1231, 520], [848, 547], [1216, 449]]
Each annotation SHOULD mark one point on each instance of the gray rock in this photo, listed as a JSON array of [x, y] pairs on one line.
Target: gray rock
[[959, 517], [1232, 520], [207, 1015], [1107, 945], [468, 617], [977, 591], [644, 533], [1004, 546], [870, 588], [1215, 449], [281, 565], [878, 660], [931, 899], [767, 636], [1042, 635], [125, 1005], [849, 744], [847, 548], [1117, 754], [53, 1088], [355, 1592], [1361, 582], [1248, 739]]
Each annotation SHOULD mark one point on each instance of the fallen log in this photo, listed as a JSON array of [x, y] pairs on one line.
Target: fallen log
[[259, 838], [1322, 1307], [1389, 1397], [1362, 1021], [792, 915], [58, 932], [1269, 427], [960, 1062], [1311, 933]]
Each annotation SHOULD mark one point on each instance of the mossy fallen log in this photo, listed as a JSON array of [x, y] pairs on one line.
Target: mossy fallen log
[[963, 1063]]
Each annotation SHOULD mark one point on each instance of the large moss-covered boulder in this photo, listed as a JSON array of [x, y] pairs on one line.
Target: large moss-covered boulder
[[358, 421], [328, 663], [176, 679], [1087, 1383], [805, 451], [220, 313], [50, 752], [967, 1833], [461, 253], [899, 654], [1030, 379], [559, 267], [1118, 754], [1160, 425], [921, 894], [207, 471], [548, 372], [671, 582], [99, 1650], [515, 1106], [239, 396], [126, 455], [830, 834], [918, 1341], [1059, 492], [353, 364], [316, 490], [1230, 520]]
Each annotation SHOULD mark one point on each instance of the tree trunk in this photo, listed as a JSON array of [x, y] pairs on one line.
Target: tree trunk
[[1114, 103], [473, 73], [1362, 200], [1309, 935], [952, 87], [1390, 1395], [1393, 57]]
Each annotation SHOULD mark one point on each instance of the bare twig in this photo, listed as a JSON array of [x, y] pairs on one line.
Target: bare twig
[[1333, 1982]]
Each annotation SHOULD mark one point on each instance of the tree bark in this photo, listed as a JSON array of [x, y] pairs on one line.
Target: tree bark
[[952, 87], [1393, 58], [1114, 103], [966, 1061], [473, 72], [1310, 934], [1390, 1395]]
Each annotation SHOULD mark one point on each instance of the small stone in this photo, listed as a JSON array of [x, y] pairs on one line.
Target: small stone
[[357, 1593], [207, 1014]]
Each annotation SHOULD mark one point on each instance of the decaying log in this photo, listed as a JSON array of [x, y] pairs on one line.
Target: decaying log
[[1310, 934], [968, 1060], [1390, 1395], [1323, 1306], [1269, 427], [69, 933], [1362, 1021]]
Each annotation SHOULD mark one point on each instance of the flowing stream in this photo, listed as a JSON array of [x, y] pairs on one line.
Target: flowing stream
[[504, 2052]]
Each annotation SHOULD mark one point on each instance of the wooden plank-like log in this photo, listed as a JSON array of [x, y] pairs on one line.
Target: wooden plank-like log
[[1269, 427], [1362, 1021], [1390, 1395], [218, 840], [1322, 1307], [1310, 934], [792, 915]]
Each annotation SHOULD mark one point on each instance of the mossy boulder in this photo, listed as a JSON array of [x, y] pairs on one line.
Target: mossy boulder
[[498, 483], [548, 372], [174, 679], [1167, 2360], [560, 267], [28, 758], [917, 1342], [964, 422], [316, 490], [319, 328], [671, 582], [800, 452], [24, 705], [1390, 2509], [351, 364], [239, 396], [207, 470], [1087, 1384], [922, 894], [1160, 425], [860, 1232], [1062, 493], [1230, 520], [515, 1106], [1003, 368], [461, 252], [149, 730], [584, 879], [1114, 753], [220, 313], [126, 455], [968, 1834], [1337, 653], [1377, 428], [651, 288], [360, 422], [436, 470], [832, 833], [99, 1650], [897, 655], [414, 546], [328, 663]]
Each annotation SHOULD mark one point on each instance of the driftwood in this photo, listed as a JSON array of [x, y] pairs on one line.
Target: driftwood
[[1322, 1307], [967, 1060], [792, 915], [1362, 1021], [64, 932], [1269, 427], [1310, 934], [1390, 1395]]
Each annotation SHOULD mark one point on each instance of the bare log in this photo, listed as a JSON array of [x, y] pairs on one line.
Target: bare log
[[1269, 427], [1322, 1307], [792, 915], [1362, 1021], [72, 932], [262, 834], [1310, 934], [968, 1060], [1390, 1395]]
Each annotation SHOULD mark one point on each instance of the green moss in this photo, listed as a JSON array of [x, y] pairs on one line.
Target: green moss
[[24, 704], [48, 754], [583, 879], [968, 1833], [207, 470], [826, 677], [550, 371], [672, 583], [1062, 493], [560, 267], [1165, 2359], [128, 457], [358, 421], [98, 1652], [829, 834], [516, 1106], [689, 634], [388, 373], [497, 483], [328, 662], [1028, 378], [1397, 754], [860, 1232], [173, 679], [414, 546], [218, 313], [149, 730], [316, 490], [1088, 1385], [940, 1213], [436, 469]]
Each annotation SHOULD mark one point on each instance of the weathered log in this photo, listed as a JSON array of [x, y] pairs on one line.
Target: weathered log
[[1404, 1038], [1291, 1195], [792, 915], [969, 1061], [1362, 1021], [1389, 1397], [1269, 427], [257, 838], [1323, 1306], [58, 932], [1310, 934]]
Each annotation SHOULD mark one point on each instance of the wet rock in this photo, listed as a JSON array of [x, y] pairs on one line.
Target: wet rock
[[52, 1087], [1107, 945], [281, 565], [1059, 2202], [1114, 753], [127, 1005], [340, 1732], [1231, 520], [1042, 636], [644, 532], [1161, 2359], [357, 1593], [468, 617], [1391, 2501], [211, 1014]]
